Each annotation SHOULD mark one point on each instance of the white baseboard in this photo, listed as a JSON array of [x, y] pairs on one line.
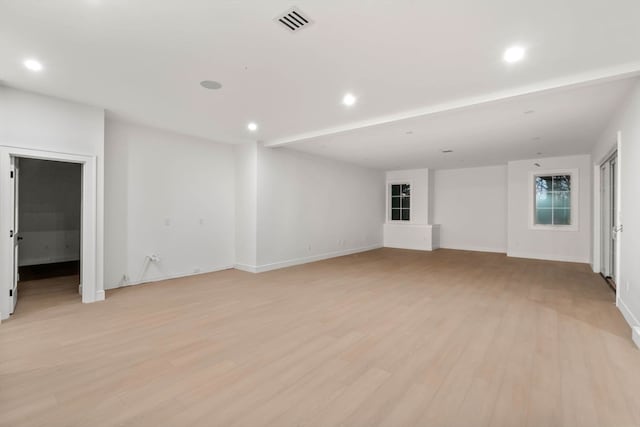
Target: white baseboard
[[476, 249], [86, 298], [48, 260], [168, 277], [246, 267], [631, 319], [409, 246], [297, 261], [544, 257]]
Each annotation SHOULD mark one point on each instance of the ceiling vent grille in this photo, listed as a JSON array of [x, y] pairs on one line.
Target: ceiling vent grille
[[293, 20]]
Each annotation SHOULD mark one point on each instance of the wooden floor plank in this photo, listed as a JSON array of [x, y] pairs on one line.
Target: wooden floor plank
[[388, 337]]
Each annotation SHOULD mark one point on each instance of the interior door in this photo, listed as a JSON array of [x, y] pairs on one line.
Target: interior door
[[610, 227], [615, 229], [15, 232], [605, 238]]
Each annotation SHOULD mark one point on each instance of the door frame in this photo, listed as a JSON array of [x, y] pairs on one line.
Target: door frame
[[91, 287], [598, 206], [608, 220]]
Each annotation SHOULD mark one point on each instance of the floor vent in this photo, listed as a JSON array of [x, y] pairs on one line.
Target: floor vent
[[293, 20]]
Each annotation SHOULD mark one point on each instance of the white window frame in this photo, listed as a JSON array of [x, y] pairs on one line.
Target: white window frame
[[575, 207], [388, 214]]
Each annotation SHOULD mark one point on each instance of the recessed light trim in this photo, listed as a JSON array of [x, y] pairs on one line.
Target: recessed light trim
[[252, 127], [514, 54], [210, 84], [349, 99], [447, 151], [33, 65]]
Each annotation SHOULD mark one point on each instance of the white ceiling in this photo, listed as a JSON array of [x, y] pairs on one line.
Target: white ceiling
[[144, 59], [555, 123]]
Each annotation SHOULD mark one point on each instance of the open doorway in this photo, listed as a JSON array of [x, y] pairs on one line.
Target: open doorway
[[609, 217], [91, 230], [47, 229]]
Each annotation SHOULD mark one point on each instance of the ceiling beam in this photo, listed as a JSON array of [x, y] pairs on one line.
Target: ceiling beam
[[576, 80]]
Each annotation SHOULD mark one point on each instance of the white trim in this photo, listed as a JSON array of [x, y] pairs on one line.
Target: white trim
[[631, 320], [246, 267], [596, 258], [170, 277], [627, 314], [620, 234], [547, 257], [91, 263], [476, 249], [575, 200], [48, 260], [297, 261], [597, 210]]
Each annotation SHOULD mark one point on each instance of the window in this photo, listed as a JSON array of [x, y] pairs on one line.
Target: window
[[552, 200], [400, 202]]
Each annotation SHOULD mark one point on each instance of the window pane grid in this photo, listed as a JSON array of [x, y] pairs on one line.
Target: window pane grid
[[553, 200], [400, 202]]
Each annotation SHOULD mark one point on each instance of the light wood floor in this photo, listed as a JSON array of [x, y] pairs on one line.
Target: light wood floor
[[389, 338]]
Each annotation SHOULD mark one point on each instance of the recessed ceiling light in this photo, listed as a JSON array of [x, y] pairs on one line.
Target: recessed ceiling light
[[349, 100], [514, 54], [447, 151], [210, 84], [252, 127], [33, 65]]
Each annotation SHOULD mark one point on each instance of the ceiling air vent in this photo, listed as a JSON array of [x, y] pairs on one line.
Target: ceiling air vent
[[293, 20]]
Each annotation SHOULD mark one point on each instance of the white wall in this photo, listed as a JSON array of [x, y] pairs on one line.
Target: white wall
[[525, 242], [246, 200], [470, 205], [50, 196], [170, 195], [627, 122], [37, 122], [312, 208]]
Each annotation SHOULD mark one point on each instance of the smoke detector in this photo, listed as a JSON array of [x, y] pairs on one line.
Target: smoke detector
[[293, 20]]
